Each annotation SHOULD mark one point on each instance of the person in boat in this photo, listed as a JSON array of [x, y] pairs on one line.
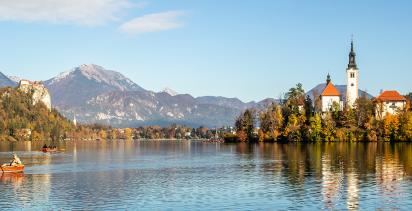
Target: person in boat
[[16, 160], [45, 146]]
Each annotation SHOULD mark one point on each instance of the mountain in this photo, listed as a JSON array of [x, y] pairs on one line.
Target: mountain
[[170, 91], [6, 81], [76, 86], [96, 95], [16, 79]]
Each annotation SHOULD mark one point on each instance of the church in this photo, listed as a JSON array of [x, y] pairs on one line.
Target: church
[[340, 96]]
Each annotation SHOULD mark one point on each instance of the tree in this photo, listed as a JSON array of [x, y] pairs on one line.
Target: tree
[[295, 98], [328, 128], [364, 109], [271, 122], [292, 130], [102, 134], [309, 109], [128, 133], [315, 128], [246, 123], [405, 129]]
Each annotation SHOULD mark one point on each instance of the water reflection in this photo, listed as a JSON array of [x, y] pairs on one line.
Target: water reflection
[[15, 179], [195, 175]]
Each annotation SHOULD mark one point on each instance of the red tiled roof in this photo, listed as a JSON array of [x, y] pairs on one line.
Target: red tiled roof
[[391, 95], [330, 90]]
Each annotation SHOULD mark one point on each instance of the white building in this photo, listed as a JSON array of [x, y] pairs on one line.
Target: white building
[[389, 102], [74, 120], [329, 96], [352, 79]]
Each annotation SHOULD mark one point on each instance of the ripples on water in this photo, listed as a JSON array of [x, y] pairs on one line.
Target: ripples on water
[[190, 175]]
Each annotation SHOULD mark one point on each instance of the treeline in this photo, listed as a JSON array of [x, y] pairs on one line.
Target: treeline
[[20, 119], [298, 119], [174, 131]]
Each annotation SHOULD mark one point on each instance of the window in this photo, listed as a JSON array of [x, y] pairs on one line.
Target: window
[[352, 75], [352, 84]]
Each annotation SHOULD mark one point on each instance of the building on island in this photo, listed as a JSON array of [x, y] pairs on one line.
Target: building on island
[[352, 79], [389, 102], [39, 91], [74, 120], [330, 96], [341, 95]]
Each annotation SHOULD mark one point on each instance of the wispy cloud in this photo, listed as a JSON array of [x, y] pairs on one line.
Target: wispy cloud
[[153, 22], [81, 12]]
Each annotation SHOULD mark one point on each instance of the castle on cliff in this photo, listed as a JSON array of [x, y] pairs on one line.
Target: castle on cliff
[[39, 91]]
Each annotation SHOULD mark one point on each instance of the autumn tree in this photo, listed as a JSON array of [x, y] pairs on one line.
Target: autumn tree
[[246, 123]]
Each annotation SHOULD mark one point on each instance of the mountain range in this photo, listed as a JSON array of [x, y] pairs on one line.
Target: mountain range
[[96, 95]]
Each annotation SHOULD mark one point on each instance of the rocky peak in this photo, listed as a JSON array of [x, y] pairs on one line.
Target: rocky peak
[[100, 75], [170, 91]]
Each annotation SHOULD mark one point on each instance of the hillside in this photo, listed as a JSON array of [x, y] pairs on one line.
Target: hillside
[[21, 120]]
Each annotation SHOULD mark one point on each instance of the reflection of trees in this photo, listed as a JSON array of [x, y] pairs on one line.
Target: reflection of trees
[[338, 167], [389, 172]]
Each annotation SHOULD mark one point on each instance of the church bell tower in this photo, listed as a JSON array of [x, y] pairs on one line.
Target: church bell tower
[[352, 79]]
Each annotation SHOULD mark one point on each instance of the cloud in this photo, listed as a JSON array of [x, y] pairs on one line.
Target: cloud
[[80, 12], [153, 22]]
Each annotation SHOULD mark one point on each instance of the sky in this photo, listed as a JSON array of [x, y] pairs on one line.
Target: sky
[[250, 49]]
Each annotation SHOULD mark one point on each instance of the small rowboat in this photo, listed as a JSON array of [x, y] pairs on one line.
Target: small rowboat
[[48, 149], [16, 168]]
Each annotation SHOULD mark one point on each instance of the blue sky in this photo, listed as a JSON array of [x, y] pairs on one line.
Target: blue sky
[[245, 49]]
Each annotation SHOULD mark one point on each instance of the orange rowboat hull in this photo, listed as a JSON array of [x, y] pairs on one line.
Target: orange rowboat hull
[[7, 168], [48, 150]]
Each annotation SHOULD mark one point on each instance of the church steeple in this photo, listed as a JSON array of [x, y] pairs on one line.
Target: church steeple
[[352, 78], [352, 57], [328, 80]]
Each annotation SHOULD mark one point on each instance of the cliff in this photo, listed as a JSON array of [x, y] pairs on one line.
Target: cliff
[[38, 90]]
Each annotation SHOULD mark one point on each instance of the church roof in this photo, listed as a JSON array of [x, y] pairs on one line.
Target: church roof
[[330, 90], [390, 95], [315, 92]]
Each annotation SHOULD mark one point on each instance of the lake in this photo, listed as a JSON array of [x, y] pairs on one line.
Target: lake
[[192, 175]]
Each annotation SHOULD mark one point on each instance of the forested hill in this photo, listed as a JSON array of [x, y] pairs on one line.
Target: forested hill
[[21, 120]]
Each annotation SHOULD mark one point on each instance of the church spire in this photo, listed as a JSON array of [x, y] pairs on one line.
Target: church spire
[[352, 57], [328, 80]]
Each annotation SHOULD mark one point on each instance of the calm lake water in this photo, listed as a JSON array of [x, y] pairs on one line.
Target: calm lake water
[[189, 175]]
